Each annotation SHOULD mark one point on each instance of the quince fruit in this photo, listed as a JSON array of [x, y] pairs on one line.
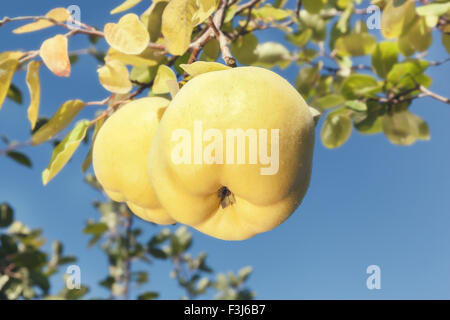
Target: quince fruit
[[120, 155], [232, 154]]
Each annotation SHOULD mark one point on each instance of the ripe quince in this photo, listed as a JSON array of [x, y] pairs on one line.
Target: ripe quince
[[120, 155], [223, 188]]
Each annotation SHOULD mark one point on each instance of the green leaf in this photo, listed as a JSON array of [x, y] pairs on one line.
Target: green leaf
[[384, 58], [14, 94], [359, 85], [396, 17], [307, 79], [243, 48], [329, 101], [152, 19], [371, 122], [314, 6], [60, 120], [300, 39], [356, 105], [268, 13], [404, 128], [150, 295], [355, 44], [143, 74], [270, 54], [95, 228], [157, 253], [6, 215], [64, 151], [336, 130], [211, 50], [343, 22], [446, 41], [417, 38], [408, 74], [19, 157], [200, 67]]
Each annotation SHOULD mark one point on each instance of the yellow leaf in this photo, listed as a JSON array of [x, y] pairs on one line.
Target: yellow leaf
[[8, 64], [129, 35], [114, 77], [64, 151], [88, 160], [34, 86], [60, 120], [177, 25], [152, 19], [163, 75], [55, 55], [205, 9], [199, 67], [57, 14], [134, 60], [128, 4]]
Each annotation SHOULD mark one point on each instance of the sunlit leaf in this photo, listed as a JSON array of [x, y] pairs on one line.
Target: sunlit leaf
[[114, 77], [433, 9], [55, 55], [199, 67], [396, 16], [270, 54], [34, 86], [129, 35], [359, 85], [126, 5], [356, 105], [355, 44], [134, 60], [143, 74], [417, 38], [152, 19], [177, 25], [328, 101], [269, 13], [60, 120], [408, 74], [300, 39], [205, 9], [57, 14], [384, 57], [163, 75], [8, 64], [64, 151], [336, 130]]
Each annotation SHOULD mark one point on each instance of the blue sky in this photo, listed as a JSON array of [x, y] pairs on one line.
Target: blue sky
[[369, 202]]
